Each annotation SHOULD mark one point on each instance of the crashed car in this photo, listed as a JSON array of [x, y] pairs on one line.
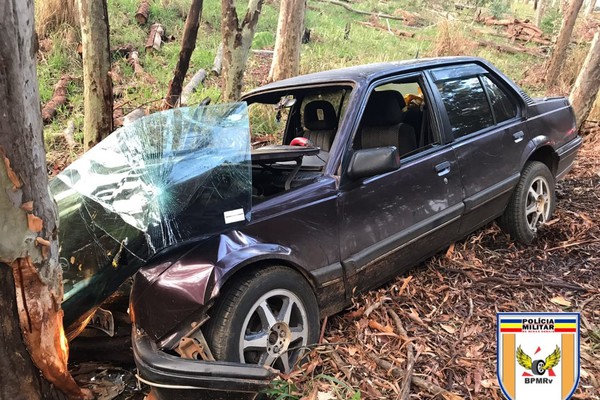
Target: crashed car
[[241, 250]]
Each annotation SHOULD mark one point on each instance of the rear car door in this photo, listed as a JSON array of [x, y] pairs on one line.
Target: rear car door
[[483, 119], [390, 221]]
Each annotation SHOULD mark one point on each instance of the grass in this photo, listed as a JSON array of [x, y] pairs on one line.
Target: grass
[[327, 49]]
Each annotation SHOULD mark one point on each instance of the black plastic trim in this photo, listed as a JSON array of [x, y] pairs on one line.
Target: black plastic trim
[[566, 156], [161, 369], [489, 194]]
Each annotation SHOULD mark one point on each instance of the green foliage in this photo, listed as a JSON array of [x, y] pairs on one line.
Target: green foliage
[[285, 389], [263, 40], [282, 389], [498, 8], [551, 21]]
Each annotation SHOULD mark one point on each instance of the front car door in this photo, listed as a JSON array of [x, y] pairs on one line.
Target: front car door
[[390, 221]]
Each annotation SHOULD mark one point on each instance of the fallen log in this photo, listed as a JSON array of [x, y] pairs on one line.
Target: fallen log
[[263, 52], [143, 12], [134, 60], [516, 36], [154, 40], [354, 10], [68, 135], [192, 85], [134, 115], [516, 49], [218, 62], [397, 32], [59, 98], [123, 51], [516, 26]]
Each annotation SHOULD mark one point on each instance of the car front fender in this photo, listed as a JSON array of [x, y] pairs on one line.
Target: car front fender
[[164, 301]]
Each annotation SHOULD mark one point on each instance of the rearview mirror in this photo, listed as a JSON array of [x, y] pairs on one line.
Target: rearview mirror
[[370, 162]]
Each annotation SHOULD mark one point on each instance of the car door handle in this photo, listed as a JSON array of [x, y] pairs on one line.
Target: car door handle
[[443, 168], [518, 136]]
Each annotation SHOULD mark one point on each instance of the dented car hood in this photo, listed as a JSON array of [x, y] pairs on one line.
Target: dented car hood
[[171, 178]]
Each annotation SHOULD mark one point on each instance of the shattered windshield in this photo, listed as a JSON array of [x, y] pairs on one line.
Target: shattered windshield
[[168, 178]]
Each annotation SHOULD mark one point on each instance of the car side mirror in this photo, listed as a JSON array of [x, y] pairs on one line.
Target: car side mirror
[[370, 162]]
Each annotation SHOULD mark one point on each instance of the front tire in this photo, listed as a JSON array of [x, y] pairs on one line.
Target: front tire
[[531, 204], [265, 317]]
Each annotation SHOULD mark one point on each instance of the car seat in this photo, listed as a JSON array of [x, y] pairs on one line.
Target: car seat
[[320, 123], [382, 123]]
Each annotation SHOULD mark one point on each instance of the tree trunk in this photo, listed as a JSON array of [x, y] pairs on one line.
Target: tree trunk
[[237, 39], [539, 12], [31, 290], [589, 9], [559, 55], [586, 87], [286, 59], [188, 44], [97, 83], [19, 378]]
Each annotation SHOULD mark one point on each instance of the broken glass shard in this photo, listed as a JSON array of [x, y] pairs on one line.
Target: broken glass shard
[[166, 179]]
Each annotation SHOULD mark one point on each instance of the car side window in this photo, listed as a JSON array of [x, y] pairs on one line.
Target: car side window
[[504, 108], [397, 114], [466, 104]]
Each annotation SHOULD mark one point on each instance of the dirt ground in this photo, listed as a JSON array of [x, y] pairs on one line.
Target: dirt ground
[[441, 316]]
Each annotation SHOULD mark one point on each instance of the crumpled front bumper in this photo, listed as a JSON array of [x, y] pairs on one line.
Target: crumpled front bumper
[[174, 378]]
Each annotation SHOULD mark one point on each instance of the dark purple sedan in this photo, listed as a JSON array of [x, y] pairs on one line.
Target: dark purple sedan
[[241, 251]]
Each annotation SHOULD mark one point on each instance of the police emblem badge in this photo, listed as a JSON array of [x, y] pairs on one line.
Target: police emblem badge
[[538, 355]]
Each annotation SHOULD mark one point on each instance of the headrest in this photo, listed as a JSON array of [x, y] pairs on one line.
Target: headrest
[[384, 108], [319, 115]]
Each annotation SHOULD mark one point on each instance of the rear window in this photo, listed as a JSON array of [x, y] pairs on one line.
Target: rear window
[[504, 108], [466, 104]]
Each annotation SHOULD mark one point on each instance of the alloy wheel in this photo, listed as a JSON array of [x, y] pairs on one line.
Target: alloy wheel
[[275, 331], [537, 205]]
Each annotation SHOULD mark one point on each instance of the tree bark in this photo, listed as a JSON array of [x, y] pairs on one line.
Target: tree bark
[[97, 83], [237, 39], [30, 275], [539, 12], [188, 44], [286, 59], [586, 86], [19, 378], [559, 55]]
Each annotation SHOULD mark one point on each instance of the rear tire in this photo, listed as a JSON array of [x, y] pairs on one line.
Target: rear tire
[[531, 204], [265, 317]]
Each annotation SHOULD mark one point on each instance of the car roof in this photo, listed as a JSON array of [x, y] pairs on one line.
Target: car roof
[[362, 74]]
